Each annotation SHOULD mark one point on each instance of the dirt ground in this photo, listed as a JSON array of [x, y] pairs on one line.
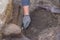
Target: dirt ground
[[41, 20], [44, 26]]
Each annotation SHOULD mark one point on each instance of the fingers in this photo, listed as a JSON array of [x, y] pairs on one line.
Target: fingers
[[26, 21], [26, 24]]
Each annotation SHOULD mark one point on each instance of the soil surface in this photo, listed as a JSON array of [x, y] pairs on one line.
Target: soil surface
[[44, 26]]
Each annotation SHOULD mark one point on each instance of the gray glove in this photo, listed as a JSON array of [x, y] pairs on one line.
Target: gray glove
[[26, 21]]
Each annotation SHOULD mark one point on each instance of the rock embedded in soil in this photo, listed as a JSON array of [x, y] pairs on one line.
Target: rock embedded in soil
[[12, 29]]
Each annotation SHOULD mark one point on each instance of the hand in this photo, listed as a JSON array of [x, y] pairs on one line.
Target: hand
[[26, 21]]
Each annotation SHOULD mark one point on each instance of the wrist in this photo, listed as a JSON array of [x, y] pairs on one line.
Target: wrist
[[26, 14]]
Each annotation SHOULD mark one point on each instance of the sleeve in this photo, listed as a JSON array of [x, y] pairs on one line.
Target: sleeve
[[25, 2]]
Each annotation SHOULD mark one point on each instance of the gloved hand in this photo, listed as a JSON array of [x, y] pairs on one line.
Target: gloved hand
[[26, 21]]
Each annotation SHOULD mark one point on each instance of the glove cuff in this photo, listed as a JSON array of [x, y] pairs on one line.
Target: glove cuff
[[26, 15]]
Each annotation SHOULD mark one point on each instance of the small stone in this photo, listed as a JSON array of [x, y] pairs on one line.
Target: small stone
[[4, 39]]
